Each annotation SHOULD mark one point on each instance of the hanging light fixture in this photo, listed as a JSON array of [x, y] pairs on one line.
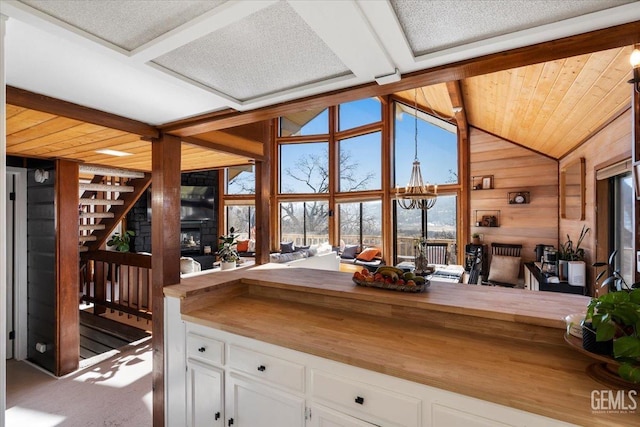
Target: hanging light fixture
[[416, 194]]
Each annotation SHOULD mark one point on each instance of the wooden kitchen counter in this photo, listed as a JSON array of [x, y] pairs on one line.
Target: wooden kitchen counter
[[403, 335]]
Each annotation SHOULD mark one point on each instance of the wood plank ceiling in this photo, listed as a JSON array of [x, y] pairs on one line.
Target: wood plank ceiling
[[550, 107]]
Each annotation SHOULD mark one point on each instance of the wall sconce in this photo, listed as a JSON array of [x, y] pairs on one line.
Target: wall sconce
[[634, 60]]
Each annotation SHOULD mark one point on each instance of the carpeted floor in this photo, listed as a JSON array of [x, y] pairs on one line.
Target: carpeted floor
[[114, 392]]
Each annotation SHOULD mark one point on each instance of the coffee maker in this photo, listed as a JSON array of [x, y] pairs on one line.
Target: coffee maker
[[550, 262]]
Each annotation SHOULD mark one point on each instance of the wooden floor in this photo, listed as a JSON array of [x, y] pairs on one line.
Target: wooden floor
[[99, 334]]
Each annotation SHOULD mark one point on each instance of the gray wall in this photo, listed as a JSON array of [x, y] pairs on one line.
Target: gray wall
[[41, 269]]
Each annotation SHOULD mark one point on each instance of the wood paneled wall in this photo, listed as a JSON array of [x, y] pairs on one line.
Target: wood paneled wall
[[514, 168], [611, 144]]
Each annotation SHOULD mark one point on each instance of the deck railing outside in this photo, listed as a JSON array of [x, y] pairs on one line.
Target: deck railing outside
[[116, 281], [405, 245]]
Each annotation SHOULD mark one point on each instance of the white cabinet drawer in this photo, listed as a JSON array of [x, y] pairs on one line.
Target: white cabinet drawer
[[205, 349], [269, 368], [365, 400]]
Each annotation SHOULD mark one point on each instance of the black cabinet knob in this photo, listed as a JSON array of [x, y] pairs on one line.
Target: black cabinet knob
[[359, 400], [230, 422], [202, 349], [216, 416], [262, 368]]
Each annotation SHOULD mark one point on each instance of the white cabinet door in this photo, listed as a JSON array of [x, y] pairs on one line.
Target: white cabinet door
[[251, 404], [204, 395], [325, 417]]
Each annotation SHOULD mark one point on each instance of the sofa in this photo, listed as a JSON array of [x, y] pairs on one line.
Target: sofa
[[316, 256], [370, 258]]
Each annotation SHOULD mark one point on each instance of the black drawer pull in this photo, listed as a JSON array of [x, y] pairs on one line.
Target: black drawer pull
[[262, 368], [202, 349], [217, 416], [359, 400]]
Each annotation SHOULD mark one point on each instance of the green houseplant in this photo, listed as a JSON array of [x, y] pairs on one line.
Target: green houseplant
[[615, 316], [569, 252], [121, 242], [227, 248]]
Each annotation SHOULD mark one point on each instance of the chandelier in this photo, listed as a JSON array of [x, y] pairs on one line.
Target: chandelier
[[416, 194]]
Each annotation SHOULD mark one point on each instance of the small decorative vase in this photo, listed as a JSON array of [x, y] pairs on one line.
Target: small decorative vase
[[563, 269], [230, 265]]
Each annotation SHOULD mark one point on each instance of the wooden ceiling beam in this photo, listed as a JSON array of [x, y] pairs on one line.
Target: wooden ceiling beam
[[607, 38], [212, 145], [457, 101], [34, 101]]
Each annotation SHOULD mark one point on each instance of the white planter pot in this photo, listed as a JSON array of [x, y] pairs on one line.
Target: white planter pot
[[227, 265]]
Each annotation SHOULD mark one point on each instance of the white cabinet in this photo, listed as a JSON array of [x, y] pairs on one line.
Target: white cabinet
[[205, 393], [253, 404], [325, 417], [366, 401]]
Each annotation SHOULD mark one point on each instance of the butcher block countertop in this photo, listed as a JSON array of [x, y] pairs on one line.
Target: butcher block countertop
[[496, 344]]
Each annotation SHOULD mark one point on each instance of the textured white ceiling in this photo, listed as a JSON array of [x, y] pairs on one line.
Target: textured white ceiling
[[159, 61], [125, 23], [273, 50], [432, 25]]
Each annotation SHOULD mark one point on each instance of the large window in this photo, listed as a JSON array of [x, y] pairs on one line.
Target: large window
[[361, 223], [437, 147], [304, 168], [622, 224], [360, 162], [311, 122], [359, 113], [304, 223], [240, 180], [242, 219]]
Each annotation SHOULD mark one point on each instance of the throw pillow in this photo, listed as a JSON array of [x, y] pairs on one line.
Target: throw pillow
[[286, 247], [369, 254], [243, 246], [505, 269], [349, 251]]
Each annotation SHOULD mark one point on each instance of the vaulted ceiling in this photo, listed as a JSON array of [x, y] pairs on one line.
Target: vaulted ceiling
[[164, 62]]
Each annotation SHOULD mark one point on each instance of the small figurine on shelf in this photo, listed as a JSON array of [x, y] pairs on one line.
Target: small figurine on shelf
[[475, 238]]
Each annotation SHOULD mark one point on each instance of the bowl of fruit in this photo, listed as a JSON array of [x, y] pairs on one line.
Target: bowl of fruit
[[389, 277]]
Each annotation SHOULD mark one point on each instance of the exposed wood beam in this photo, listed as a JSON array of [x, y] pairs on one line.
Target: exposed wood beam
[[34, 101], [457, 101], [217, 146], [430, 111], [607, 38], [67, 345], [165, 262]]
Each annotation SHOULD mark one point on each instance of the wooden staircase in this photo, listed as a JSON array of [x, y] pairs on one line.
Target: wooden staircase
[[105, 200]]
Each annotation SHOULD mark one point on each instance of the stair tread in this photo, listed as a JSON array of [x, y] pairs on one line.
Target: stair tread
[[105, 171], [92, 227], [101, 202], [97, 215], [106, 187]]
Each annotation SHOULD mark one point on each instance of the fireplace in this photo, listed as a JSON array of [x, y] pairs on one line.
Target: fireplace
[[190, 239]]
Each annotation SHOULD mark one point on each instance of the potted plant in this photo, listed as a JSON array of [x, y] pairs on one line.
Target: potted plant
[[569, 252], [121, 243], [615, 318], [475, 238], [227, 250]]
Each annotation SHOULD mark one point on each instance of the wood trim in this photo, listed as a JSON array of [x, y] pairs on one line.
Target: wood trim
[[334, 178], [593, 41], [635, 148], [515, 143], [230, 149], [67, 262], [263, 199], [165, 227], [411, 104], [387, 205], [457, 100], [26, 99]]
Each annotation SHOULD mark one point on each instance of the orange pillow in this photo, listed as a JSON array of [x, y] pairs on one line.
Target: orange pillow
[[369, 254], [243, 246]]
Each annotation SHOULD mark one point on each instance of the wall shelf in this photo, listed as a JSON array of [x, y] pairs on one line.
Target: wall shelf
[[484, 182], [487, 218], [519, 197]]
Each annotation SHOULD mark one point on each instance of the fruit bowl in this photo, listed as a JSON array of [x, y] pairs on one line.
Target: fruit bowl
[[392, 278]]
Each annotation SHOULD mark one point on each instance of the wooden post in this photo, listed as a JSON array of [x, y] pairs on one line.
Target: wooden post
[[67, 264], [263, 197], [165, 246]]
